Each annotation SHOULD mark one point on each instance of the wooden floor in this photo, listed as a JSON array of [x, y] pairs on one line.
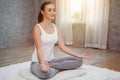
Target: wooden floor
[[113, 64], [15, 55]]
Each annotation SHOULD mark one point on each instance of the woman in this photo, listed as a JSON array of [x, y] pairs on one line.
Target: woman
[[46, 35]]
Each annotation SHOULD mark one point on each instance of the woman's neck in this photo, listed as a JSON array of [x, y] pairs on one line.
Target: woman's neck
[[47, 22]]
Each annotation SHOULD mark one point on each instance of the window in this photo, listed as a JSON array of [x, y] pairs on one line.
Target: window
[[77, 9]]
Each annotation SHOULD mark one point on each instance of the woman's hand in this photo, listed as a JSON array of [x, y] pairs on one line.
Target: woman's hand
[[43, 67], [86, 55]]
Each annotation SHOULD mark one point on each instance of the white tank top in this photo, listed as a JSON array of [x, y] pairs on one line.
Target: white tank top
[[47, 43]]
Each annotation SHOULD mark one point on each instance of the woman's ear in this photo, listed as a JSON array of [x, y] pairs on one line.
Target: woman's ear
[[42, 12]]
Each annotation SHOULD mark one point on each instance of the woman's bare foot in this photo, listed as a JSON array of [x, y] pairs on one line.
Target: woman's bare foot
[[50, 65]]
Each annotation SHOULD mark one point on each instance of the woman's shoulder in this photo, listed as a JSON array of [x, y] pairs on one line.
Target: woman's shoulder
[[55, 26], [36, 28], [38, 24]]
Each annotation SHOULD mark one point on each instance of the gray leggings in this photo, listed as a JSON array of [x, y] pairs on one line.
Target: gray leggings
[[65, 63]]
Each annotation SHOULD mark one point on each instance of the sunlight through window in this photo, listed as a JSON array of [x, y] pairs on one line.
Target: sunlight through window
[[76, 9]]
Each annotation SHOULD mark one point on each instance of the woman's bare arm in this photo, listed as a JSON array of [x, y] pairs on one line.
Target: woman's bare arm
[[67, 50], [36, 37]]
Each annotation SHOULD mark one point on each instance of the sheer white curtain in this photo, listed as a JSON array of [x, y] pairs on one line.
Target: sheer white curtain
[[96, 14], [63, 20], [97, 23]]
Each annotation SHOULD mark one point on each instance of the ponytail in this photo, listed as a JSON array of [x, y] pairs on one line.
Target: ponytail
[[40, 17]]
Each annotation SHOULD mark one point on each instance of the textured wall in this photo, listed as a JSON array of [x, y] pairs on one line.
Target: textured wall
[[114, 25], [17, 18]]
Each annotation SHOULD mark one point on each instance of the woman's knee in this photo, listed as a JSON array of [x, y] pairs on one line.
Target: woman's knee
[[45, 75], [79, 62], [50, 73]]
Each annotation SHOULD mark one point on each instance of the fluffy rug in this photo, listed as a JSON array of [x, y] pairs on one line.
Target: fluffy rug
[[92, 73]]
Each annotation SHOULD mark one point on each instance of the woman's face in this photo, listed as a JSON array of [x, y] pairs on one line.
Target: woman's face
[[49, 12]]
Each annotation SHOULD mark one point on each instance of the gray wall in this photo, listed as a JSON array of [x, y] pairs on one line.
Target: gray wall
[[114, 25], [17, 18]]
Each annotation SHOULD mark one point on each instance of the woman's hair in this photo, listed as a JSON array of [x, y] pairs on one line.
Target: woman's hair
[[40, 16]]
